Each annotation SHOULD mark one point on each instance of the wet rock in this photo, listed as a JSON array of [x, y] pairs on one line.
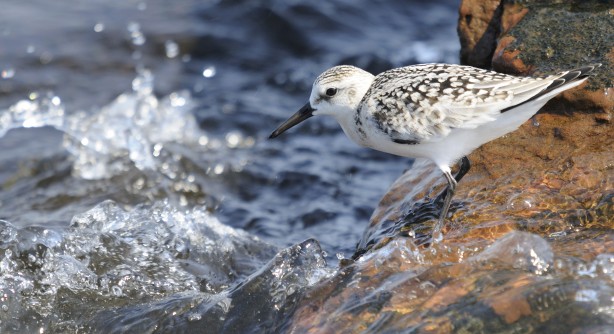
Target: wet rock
[[540, 37], [517, 284]]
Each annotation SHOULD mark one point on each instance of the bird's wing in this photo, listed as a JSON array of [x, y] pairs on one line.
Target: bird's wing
[[425, 102]]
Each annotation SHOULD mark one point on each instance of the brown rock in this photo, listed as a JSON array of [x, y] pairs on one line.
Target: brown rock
[[507, 303], [465, 287], [509, 61], [541, 37], [478, 30]]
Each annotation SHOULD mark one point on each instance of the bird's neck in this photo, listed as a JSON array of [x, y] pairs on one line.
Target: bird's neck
[[348, 121]]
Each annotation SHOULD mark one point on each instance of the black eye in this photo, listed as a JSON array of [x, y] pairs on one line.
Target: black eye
[[331, 92]]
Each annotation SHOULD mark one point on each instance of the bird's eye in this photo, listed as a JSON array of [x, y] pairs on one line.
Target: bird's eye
[[331, 92]]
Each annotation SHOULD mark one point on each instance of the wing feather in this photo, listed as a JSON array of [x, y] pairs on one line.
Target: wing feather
[[423, 103]]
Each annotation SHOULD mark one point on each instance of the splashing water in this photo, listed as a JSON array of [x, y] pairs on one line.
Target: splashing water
[[130, 127], [116, 255], [33, 113]]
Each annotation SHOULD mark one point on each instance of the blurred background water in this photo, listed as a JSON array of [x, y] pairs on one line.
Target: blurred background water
[[134, 163]]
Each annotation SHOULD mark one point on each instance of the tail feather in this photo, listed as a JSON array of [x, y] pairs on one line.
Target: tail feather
[[564, 79], [569, 76]]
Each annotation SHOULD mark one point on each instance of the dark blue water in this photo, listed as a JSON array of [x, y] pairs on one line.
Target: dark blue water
[[177, 172], [263, 56]]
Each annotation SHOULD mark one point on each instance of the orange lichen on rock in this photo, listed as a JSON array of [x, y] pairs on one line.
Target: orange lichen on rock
[[511, 15], [508, 303]]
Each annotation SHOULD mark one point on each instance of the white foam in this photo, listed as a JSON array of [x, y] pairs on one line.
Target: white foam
[[131, 125]]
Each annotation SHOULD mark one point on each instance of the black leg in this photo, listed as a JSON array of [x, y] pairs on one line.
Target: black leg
[[465, 165], [446, 204]]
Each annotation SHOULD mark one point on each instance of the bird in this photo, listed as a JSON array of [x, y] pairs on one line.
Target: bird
[[440, 112]]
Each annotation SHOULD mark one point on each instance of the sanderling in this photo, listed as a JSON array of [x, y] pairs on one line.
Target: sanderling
[[437, 111]]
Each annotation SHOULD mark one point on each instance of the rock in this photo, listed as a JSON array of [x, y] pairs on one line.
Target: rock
[[539, 37], [524, 249], [521, 283], [478, 30]]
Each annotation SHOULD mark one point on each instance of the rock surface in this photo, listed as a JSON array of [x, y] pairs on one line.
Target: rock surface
[[539, 37]]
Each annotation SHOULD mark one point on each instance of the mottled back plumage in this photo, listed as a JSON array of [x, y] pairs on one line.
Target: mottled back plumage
[[425, 102]]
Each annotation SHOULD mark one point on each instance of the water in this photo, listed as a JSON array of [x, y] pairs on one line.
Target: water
[[139, 192], [237, 80]]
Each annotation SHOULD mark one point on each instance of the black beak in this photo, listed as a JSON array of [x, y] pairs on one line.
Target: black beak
[[304, 113]]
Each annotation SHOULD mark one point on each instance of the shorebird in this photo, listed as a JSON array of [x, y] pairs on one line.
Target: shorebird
[[440, 112]]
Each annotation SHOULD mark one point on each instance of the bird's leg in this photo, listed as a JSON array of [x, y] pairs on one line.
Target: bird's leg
[[465, 165], [446, 202], [452, 182]]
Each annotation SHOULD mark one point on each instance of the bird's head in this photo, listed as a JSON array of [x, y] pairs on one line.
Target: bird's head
[[336, 92]]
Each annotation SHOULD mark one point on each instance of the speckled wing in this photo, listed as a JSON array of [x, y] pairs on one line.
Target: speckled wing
[[423, 103]]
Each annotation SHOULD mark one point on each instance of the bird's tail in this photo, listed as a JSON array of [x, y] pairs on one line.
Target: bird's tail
[[568, 77], [562, 81]]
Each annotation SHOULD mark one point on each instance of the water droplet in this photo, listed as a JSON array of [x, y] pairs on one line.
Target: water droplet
[[143, 83], [172, 49], [233, 139], [219, 169], [177, 100], [56, 100], [7, 73], [99, 27], [141, 6], [135, 33], [209, 72], [518, 202], [5, 308], [31, 49]]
